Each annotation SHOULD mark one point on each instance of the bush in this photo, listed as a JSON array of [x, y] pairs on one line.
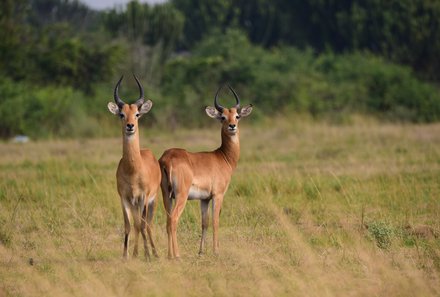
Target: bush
[[288, 78], [371, 84], [382, 233], [41, 112]]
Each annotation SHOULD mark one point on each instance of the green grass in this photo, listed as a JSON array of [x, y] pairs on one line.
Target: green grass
[[314, 209]]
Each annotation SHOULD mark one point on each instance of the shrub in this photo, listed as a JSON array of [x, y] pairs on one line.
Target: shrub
[[298, 80], [382, 233], [371, 84], [41, 112]]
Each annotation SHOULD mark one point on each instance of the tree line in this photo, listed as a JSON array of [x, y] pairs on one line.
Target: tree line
[[323, 57]]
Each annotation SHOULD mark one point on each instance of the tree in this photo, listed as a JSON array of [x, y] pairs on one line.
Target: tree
[[152, 33]]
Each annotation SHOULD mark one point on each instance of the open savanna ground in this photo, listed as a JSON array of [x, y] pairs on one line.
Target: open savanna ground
[[313, 209]]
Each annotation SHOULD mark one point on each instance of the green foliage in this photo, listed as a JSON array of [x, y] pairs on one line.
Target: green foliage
[[41, 112], [290, 79], [73, 62], [403, 31], [382, 233], [151, 25], [364, 82], [203, 17], [74, 12], [53, 49], [13, 31]]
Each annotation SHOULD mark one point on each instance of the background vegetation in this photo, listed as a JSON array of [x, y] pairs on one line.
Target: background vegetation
[[60, 60]]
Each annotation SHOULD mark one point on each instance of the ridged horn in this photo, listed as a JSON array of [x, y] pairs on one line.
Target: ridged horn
[[118, 100], [237, 106], [216, 104], [141, 99]]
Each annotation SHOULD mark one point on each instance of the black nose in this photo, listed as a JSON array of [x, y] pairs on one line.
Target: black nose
[[130, 126], [232, 126]]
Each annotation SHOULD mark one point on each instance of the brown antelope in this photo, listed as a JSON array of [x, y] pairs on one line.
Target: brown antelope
[[204, 176], [138, 173]]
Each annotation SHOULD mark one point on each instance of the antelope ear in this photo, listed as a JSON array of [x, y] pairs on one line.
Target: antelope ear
[[144, 108], [246, 110], [212, 112], [113, 107]]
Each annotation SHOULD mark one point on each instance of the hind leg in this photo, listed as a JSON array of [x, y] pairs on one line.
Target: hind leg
[[168, 205], [216, 209], [204, 204], [181, 199]]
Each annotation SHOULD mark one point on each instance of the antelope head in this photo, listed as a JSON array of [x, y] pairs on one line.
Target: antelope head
[[229, 117], [129, 113]]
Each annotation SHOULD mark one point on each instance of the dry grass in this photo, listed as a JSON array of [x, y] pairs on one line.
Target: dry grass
[[313, 210]]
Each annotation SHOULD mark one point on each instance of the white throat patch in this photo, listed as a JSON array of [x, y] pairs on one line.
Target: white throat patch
[[234, 138]]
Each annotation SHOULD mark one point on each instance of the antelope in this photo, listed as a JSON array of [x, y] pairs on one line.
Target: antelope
[[203, 176], [138, 173]]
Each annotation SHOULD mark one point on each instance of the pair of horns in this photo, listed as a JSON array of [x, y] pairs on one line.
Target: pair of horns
[[218, 106], [119, 101], [141, 99]]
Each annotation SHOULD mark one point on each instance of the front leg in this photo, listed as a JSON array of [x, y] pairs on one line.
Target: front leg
[[216, 209], [125, 210]]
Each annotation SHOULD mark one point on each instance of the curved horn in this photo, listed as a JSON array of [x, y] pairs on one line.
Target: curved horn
[[216, 104], [118, 100], [237, 106], [141, 99]]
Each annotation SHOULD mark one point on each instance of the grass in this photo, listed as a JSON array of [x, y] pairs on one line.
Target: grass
[[314, 209]]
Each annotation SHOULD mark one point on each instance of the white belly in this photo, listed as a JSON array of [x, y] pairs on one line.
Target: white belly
[[198, 194]]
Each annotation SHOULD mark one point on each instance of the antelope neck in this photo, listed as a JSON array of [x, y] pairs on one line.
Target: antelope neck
[[131, 152], [230, 148]]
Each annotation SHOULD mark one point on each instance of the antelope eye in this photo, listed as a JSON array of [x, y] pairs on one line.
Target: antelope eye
[[121, 115], [138, 115], [223, 118], [238, 117]]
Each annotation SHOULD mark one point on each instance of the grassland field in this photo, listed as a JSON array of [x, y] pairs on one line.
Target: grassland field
[[313, 209]]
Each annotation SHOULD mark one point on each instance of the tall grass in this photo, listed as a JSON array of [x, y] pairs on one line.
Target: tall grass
[[313, 209]]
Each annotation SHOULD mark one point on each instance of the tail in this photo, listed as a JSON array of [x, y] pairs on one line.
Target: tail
[[167, 179], [167, 188]]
